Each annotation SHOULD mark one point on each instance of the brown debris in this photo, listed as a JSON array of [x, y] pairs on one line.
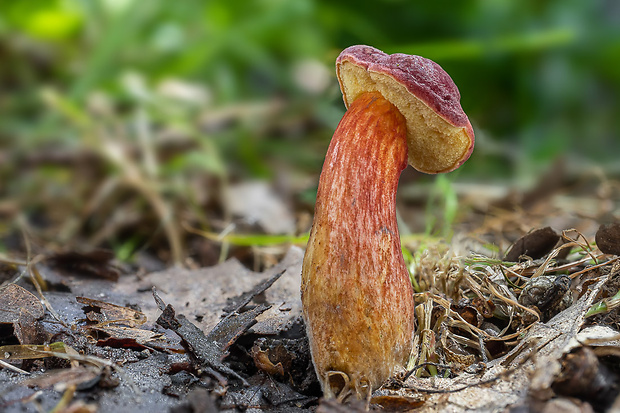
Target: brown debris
[[608, 238], [287, 360], [584, 377], [115, 326], [265, 393], [468, 312], [15, 299], [97, 263], [82, 377], [237, 303], [397, 403], [208, 351], [102, 312], [262, 359], [547, 294], [202, 294], [128, 337], [536, 244], [20, 311]]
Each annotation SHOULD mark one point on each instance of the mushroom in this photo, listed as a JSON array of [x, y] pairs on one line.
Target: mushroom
[[356, 292]]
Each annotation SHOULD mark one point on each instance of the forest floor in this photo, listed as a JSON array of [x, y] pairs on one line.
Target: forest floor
[[519, 311]]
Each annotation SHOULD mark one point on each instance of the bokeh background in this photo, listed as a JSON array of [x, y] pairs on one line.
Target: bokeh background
[[131, 124]]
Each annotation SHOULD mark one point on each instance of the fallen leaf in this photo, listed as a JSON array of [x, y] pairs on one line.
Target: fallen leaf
[[30, 351], [208, 351], [120, 336], [608, 238], [15, 299], [202, 294], [106, 313], [83, 377], [535, 244], [20, 311], [237, 303]]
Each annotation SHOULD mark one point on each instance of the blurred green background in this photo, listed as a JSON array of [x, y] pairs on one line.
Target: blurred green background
[[103, 100]]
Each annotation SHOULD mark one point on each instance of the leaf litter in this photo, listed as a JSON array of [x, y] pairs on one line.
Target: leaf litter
[[494, 333], [99, 327]]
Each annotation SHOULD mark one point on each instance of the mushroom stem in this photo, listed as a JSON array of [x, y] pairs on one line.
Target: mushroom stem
[[356, 292]]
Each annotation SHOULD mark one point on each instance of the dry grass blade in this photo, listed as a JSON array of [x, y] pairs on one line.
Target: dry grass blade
[[449, 279], [29, 351], [594, 267], [427, 335], [65, 400], [12, 367], [544, 268], [37, 280], [32, 270], [142, 178]]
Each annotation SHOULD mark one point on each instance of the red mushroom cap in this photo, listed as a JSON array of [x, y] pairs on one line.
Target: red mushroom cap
[[439, 134]]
